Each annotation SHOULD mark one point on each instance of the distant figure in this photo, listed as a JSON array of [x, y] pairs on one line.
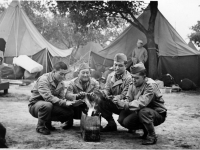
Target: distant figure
[[139, 53], [48, 103]]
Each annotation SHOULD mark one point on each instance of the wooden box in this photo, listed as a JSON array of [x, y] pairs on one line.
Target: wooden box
[[90, 128]]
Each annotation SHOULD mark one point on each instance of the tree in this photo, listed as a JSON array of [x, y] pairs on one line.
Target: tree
[[99, 14], [195, 36]]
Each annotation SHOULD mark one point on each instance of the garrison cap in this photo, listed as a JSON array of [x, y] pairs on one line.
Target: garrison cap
[[140, 41], [137, 68], [120, 57], [83, 66]]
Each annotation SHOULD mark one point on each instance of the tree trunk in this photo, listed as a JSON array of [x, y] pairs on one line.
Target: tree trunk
[[152, 55]]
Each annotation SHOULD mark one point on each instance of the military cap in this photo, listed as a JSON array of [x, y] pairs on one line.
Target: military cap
[[120, 57], [137, 68], [140, 41], [83, 66]]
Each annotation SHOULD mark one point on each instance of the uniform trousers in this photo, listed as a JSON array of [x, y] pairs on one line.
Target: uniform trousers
[[134, 120], [46, 111]]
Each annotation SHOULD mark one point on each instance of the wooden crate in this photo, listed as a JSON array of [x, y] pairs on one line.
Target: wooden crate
[[90, 128]]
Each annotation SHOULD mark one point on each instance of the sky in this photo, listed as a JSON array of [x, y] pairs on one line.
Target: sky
[[182, 14]]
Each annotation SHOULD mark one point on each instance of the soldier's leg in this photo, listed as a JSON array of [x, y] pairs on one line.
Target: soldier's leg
[[63, 115], [78, 110], [148, 117], [2, 136], [42, 111], [107, 108]]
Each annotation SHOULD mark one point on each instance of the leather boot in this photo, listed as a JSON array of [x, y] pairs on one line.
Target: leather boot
[[145, 133], [151, 138], [49, 126], [41, 127], [68, 124]]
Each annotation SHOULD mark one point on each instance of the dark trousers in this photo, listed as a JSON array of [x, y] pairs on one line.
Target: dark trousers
[[107, 108], [2, 136], [137, 119], [78, 110], [46, 111]]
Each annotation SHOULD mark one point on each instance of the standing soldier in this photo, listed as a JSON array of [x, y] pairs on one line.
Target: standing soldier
[[139, 53]]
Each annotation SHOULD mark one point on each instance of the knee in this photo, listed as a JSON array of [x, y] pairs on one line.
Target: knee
[[46, 107], [144, 115]]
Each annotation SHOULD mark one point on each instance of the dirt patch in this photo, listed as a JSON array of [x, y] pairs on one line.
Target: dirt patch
[[180, 130]]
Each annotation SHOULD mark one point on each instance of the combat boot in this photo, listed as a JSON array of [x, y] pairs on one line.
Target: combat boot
[[68, 124], [151, 137], [49, 126], [41, 127]]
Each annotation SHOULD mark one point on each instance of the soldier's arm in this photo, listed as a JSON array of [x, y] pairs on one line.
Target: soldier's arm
[[108, 86], [143, 99], [69, 95], [45, 92], [123, 94]]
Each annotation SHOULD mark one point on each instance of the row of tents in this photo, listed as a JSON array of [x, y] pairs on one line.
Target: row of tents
[[176, 57]]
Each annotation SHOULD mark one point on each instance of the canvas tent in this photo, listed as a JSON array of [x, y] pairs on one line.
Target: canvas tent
[[22, 38], [83, 53], [175, 56], [90, 46], [192, 45]]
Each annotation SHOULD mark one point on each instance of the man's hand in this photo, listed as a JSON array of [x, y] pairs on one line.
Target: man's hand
[[116, 99], [81, 95], [91, 96], [69, 103]]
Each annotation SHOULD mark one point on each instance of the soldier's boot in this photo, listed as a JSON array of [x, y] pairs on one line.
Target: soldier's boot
[[49, 126], [151, 137], [41, 127], [145, 133], [68, 124]]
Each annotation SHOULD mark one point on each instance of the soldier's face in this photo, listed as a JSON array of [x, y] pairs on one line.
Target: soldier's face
[[139, 44], [84, 75], [138, 79], [60, 74], [119, 67]]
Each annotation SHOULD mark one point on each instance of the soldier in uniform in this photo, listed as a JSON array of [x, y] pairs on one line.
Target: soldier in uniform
[[116, 86], [144, 106], [47, 102], [79, 87], [139, 53]]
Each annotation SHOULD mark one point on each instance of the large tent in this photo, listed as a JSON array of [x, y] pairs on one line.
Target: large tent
[[22, 38], [83, 53], [175, 56], [90, 46], [192, 45]]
